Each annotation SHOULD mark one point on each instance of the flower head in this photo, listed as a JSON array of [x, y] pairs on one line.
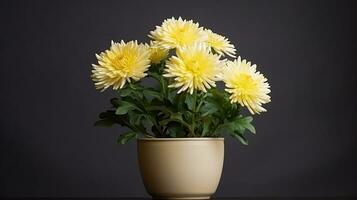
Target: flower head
[[247, 86], [174, 33], [220, 44], [121, 63], [194, 68], [157, 53]]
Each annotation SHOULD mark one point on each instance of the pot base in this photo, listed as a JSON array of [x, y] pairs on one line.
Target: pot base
[[183, 198]]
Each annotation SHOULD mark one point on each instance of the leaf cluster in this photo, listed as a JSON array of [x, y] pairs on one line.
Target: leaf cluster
[[162, 113]]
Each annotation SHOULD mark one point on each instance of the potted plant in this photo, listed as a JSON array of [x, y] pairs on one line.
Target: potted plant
[[181, 119]]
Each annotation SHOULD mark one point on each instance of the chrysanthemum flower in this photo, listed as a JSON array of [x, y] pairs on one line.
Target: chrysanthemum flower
[[220, 44], [194, 68], [121, 63], [174, 33], [247, 86], [157, 53]]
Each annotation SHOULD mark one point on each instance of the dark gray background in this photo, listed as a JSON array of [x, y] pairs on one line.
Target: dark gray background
[[305, 145]]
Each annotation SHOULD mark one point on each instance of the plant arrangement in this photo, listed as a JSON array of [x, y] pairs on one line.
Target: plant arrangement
[[185, 62]]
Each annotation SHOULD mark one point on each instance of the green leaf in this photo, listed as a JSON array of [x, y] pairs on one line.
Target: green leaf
[[109, 118], [155, 75], [245, 122], [161, 80], [125, 107], [175, 117], [136, 91], [153, 94], [208, 108], [188, 115], [176, 131], [241, 138], [124, 92], [136, 86], [206, 124], [237, 125], [240, 124], [159, 108], [125, 137], [135, 118], [171, 96], [146, 122], [190, 101], [179, 101], [246, 119], [114, 102], [221, 100], [251, 128]]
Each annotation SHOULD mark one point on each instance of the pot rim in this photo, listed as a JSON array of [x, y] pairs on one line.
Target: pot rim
[[182, 139]]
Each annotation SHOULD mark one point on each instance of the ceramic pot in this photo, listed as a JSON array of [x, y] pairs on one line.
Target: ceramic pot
[[181, 168]]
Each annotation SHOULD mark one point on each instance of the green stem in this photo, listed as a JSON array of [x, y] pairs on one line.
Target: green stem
[[137, 129], [193, 123], [144, 104], [201, 102]]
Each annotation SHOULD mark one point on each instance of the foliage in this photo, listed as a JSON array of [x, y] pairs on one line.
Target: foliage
[[185, 60], [159, 112]]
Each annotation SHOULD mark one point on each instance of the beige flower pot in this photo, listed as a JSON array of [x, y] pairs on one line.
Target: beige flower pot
[[181, 168]]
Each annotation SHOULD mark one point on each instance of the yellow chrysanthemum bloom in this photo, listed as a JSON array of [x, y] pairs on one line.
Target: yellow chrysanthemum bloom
[[157, 52], [174, 33], [220, 44], [121, 63], [193, 68], [247, 86]]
